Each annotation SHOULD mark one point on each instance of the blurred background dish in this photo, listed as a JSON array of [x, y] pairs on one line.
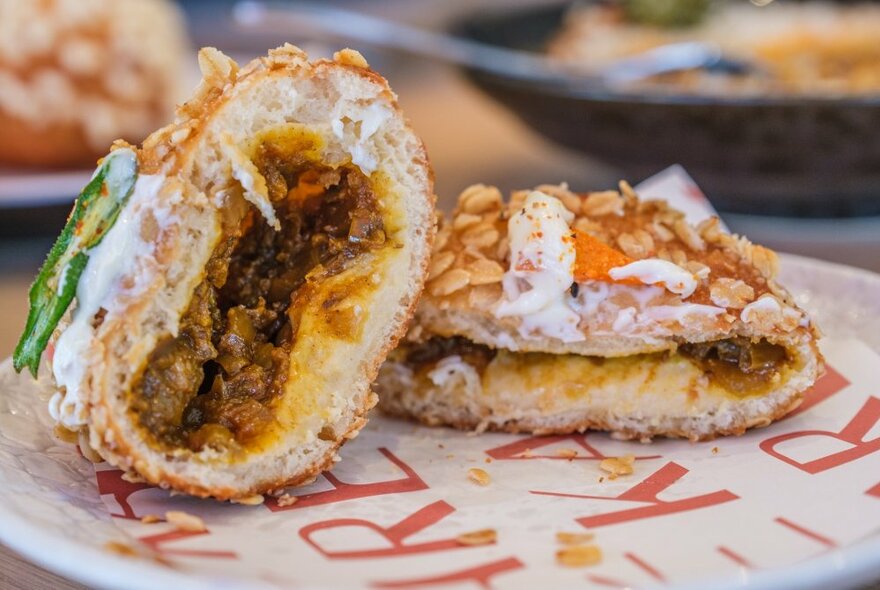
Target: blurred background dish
[[816, 48], [77, 74], [34, 203], [769, 153], [28, 188], [786, 156]]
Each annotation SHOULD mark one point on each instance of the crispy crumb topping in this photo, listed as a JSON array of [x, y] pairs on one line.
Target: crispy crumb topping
[[472, 253], [350, 57]]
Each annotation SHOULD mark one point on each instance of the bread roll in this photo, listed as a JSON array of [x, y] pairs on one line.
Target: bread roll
[[559, 312], [77, 74], [229, 325]]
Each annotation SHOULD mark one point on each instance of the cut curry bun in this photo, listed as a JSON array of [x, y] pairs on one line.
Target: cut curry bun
[[229, 324], [559, 312]]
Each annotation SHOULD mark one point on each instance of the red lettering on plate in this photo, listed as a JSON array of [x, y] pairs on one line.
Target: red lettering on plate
[[695, 193], [734, 556], [805, 532], [875, 491], [395, 534], [645, 567], [827, 385], [480, 575], [646, 491], [609, 582], [521, 449], [156, 542], [110, 482], [852, 433], [639, 563], [349, 491]]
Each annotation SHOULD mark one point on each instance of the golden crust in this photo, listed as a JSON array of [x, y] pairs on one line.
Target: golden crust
[[393, 406], [170, 149], [220, 73], [168, 480]]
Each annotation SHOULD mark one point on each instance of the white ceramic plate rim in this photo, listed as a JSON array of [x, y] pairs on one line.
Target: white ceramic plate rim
[[845, 567], [20, 190]]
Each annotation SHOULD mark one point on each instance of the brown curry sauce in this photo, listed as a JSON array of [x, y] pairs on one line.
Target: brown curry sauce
[[213, 384], [742, 367]]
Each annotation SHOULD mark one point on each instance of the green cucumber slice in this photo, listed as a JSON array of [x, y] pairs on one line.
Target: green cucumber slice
[[94, 213]]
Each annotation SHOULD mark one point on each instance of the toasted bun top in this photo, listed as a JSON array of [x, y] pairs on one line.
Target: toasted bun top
[[734, 289]]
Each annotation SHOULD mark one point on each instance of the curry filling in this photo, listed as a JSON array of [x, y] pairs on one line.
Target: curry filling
[[739, 366], [214, 383]]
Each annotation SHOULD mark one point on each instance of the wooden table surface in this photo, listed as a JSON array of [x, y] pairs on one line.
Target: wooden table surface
[[469, 139]]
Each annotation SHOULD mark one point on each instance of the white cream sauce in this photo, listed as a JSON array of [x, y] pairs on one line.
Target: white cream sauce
[[453, 370], [98, 287], [541, 270], [654, 271]]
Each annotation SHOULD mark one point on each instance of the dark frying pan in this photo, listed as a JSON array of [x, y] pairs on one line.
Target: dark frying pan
[[768, 155]]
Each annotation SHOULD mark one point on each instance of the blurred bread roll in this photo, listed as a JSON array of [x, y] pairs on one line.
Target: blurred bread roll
[[77, 74]]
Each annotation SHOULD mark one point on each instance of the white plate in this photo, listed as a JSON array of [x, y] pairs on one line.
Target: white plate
[[786, 528], [40, 189]]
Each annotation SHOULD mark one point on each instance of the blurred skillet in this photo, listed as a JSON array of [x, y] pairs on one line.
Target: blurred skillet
[[768, 155]]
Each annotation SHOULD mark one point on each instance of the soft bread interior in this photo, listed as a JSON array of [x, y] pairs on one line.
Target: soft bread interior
[[687, 393], [353, 124]]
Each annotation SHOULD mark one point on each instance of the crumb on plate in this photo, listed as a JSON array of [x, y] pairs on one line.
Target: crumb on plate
[[617, 466], [478, 476], [287, 500], [120, 548], [574, 538], [579, 555], [481, 537], [186, 522]]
